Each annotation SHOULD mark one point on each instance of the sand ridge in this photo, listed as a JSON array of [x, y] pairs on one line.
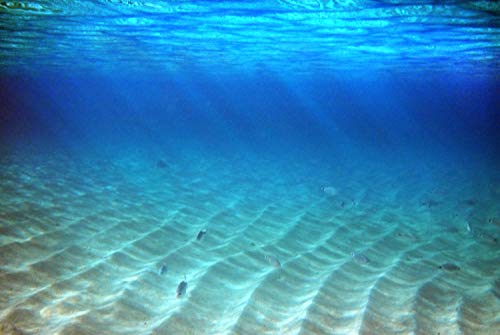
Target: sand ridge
[[81, 242]]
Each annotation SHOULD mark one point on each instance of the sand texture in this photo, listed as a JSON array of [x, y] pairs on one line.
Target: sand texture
[[290, 248]]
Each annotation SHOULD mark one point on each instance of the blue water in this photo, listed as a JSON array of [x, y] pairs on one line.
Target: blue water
[[298, 37], [328, 117], [343, 158]]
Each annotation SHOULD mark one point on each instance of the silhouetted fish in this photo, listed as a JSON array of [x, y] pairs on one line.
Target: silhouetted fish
[[450, 229], [470, 202], [161, 164], [483, 236], [494, 221], [430, 203], [449, 267], [162, 269], [181, 288], [360, 258], [201, 234], [496, 289], [273, 261]]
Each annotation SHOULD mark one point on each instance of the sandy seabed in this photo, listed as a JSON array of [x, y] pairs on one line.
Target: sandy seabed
[[372, 249]]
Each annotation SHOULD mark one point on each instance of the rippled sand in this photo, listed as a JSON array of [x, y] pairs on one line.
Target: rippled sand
[[82, 240]]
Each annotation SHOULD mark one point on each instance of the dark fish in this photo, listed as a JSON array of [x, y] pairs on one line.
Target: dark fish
[[470, 202], [451, 229], [406, 236], [494, 221], [161, 164], [449, 267], [162, 270], [430, 203], [201, 234], [273, 261], [481, 235], [496, 289], [181, 288]]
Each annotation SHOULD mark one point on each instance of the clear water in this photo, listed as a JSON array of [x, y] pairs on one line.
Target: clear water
[[342, 158], [232, 36]]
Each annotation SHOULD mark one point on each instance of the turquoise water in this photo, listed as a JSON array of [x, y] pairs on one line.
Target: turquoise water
[[263, 167]]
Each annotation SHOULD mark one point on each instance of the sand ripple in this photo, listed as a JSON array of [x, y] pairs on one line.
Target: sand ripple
[[82, 257]]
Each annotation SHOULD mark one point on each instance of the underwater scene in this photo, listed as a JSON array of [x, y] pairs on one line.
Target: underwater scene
[[250, 167]]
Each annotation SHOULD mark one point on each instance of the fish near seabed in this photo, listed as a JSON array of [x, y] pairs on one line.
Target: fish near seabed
[[161, 164], [329, 190], [181, 288], [162, 269], [201, 234], [273, 261], [449, 267], [360, 258]]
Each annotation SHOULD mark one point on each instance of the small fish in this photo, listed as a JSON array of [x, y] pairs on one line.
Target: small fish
[[494, 221], [201, 234], [450, 229], [469, 229], [182, 288], [329, 190], [410, 237], [430, 203], [273, 261], [470, 202], [482, 236], [449, 267], [161, 164], [162, 269], [360, 258]]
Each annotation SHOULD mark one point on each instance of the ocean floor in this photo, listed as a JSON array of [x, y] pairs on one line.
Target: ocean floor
[[95, 244]]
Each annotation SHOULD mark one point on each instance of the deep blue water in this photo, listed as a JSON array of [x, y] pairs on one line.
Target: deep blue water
[[271, 75], [389, 117]]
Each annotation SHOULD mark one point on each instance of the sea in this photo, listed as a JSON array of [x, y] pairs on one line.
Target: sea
[[250, 167]]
